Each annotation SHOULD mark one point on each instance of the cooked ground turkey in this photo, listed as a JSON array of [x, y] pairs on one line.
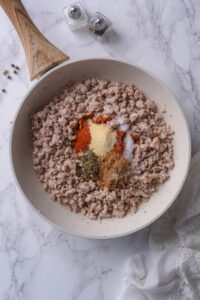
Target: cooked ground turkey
[[54, 159]]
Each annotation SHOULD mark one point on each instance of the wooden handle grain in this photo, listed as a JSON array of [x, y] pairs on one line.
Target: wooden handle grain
[[40, 53]]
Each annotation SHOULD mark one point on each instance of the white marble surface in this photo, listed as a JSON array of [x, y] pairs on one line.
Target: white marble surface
[[36, 260]]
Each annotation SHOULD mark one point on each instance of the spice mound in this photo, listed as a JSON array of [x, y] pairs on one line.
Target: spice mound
[[83, 137], [104, 160], [102, 138], [89, 166], [101, 148], [114, 170]]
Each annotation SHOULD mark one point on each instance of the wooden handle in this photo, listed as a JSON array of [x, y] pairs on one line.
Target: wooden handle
[[40, 53]]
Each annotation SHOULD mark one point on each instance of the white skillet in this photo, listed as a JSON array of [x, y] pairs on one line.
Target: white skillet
[[42, 56]]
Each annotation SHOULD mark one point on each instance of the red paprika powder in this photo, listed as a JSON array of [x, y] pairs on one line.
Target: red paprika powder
[[119, 145], [83, 137]]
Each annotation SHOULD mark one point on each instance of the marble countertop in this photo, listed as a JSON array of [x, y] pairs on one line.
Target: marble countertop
[[38, 261]]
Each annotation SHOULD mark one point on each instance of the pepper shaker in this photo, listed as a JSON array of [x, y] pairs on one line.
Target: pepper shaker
[[76, 16], [99, 25]]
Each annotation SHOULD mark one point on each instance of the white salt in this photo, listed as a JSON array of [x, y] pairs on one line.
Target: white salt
[[129, 146], [128, 141]]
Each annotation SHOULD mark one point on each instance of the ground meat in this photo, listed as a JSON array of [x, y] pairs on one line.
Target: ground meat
[[55, 160]]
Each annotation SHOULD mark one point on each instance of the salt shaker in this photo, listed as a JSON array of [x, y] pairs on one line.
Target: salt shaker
[[99, 25], [76, 16]]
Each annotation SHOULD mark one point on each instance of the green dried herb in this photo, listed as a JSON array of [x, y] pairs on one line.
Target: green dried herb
[[78, 170], [90, 167]]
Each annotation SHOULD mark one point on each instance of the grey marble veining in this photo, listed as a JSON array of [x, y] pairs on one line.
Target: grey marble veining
[[36, 260]]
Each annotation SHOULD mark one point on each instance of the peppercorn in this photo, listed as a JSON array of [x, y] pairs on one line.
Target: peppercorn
[[5, 72], [3, 91], [9, 77]]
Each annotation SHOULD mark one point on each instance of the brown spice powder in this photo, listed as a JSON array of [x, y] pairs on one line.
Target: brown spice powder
[[113, 170]]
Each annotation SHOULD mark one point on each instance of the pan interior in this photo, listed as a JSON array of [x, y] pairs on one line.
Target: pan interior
[[21, 152]]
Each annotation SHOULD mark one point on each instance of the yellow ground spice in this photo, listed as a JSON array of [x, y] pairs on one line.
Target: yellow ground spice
[[114, 168], [103, 138]]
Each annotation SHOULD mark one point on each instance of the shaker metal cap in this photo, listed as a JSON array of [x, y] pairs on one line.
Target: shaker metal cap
[[99, 25], [76, 16], [74, 11]]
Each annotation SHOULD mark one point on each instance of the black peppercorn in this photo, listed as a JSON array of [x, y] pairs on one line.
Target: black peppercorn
[[5, 72]]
